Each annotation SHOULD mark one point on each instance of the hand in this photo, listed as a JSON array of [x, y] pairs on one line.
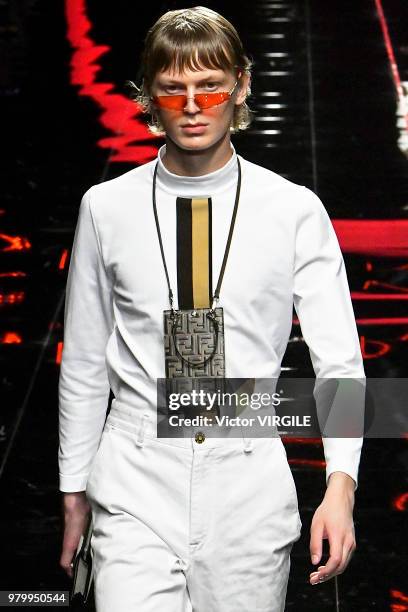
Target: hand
[[333, 520], [75, 509]]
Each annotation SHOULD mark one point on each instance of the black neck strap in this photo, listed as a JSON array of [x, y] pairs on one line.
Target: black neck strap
[[227, 248]]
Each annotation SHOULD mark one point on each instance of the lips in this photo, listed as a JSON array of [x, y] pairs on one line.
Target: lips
[[194, 128]]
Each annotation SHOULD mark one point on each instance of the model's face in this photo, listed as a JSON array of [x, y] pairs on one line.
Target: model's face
[[211, 124]]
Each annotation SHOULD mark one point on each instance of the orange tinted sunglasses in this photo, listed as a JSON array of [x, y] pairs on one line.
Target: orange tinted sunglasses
[[207, 100]]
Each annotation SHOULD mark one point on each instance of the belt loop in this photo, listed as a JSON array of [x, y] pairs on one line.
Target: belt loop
[[248, 445], [247, 442], [140, 435]]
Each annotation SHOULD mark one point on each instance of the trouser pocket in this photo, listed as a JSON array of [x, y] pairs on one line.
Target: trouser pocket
[[288, 482]]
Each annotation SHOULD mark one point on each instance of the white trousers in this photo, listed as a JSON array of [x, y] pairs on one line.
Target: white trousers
[[182, 526]]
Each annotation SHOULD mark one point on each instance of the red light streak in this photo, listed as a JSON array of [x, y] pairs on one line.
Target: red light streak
[[11, 298], [63, 259], [11, 338], [372, 321], [374, 237], [315, 463], [59, 352], [399, 595], [383, 321], [360, 295], [401, 502], [383, 348], [16, 243], [375, 283], [120, 115], [295, 440], [6, 274]]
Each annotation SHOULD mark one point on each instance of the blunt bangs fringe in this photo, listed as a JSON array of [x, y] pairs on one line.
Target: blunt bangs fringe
[[191, 39]]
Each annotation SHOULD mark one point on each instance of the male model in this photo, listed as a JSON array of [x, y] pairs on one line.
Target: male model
[[197, 523]]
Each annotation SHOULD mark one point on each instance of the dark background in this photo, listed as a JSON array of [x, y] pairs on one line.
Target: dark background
[[335, 130]]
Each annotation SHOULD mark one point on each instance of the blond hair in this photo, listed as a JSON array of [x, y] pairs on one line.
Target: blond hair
[[192, 38]]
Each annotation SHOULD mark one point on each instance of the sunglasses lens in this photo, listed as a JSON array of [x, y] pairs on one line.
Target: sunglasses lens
[[172, 102], [202, 100], [211, 99]]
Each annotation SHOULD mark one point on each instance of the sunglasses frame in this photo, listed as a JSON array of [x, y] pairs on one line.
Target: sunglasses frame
[[157, 99]]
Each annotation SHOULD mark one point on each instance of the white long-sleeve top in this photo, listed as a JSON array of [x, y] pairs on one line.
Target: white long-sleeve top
[[284, 251]]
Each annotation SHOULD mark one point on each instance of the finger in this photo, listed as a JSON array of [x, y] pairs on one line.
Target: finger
[[319, 569], [336, 555], [316, 577], [348, 550], [67, 556], [69, 548], [68, 569], [316, 542]]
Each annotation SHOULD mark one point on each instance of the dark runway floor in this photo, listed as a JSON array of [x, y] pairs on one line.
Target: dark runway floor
[[330, 87]]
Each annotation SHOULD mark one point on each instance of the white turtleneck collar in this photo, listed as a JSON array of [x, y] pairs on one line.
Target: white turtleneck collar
[[205, 185]]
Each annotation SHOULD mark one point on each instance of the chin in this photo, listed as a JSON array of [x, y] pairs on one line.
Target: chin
[[198, 142], [193, 142]]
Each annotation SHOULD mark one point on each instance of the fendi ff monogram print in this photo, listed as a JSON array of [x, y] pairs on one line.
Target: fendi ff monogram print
[[194, 343]]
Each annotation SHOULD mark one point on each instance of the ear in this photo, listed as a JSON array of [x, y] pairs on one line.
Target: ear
[[243, 86]]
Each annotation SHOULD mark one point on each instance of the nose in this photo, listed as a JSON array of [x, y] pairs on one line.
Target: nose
[[191, 106]]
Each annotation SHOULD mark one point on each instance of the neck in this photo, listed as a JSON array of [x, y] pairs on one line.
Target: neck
[[203, 184], [196, 162]]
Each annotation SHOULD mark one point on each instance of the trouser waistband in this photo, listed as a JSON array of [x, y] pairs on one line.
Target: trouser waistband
[[143, 423]]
